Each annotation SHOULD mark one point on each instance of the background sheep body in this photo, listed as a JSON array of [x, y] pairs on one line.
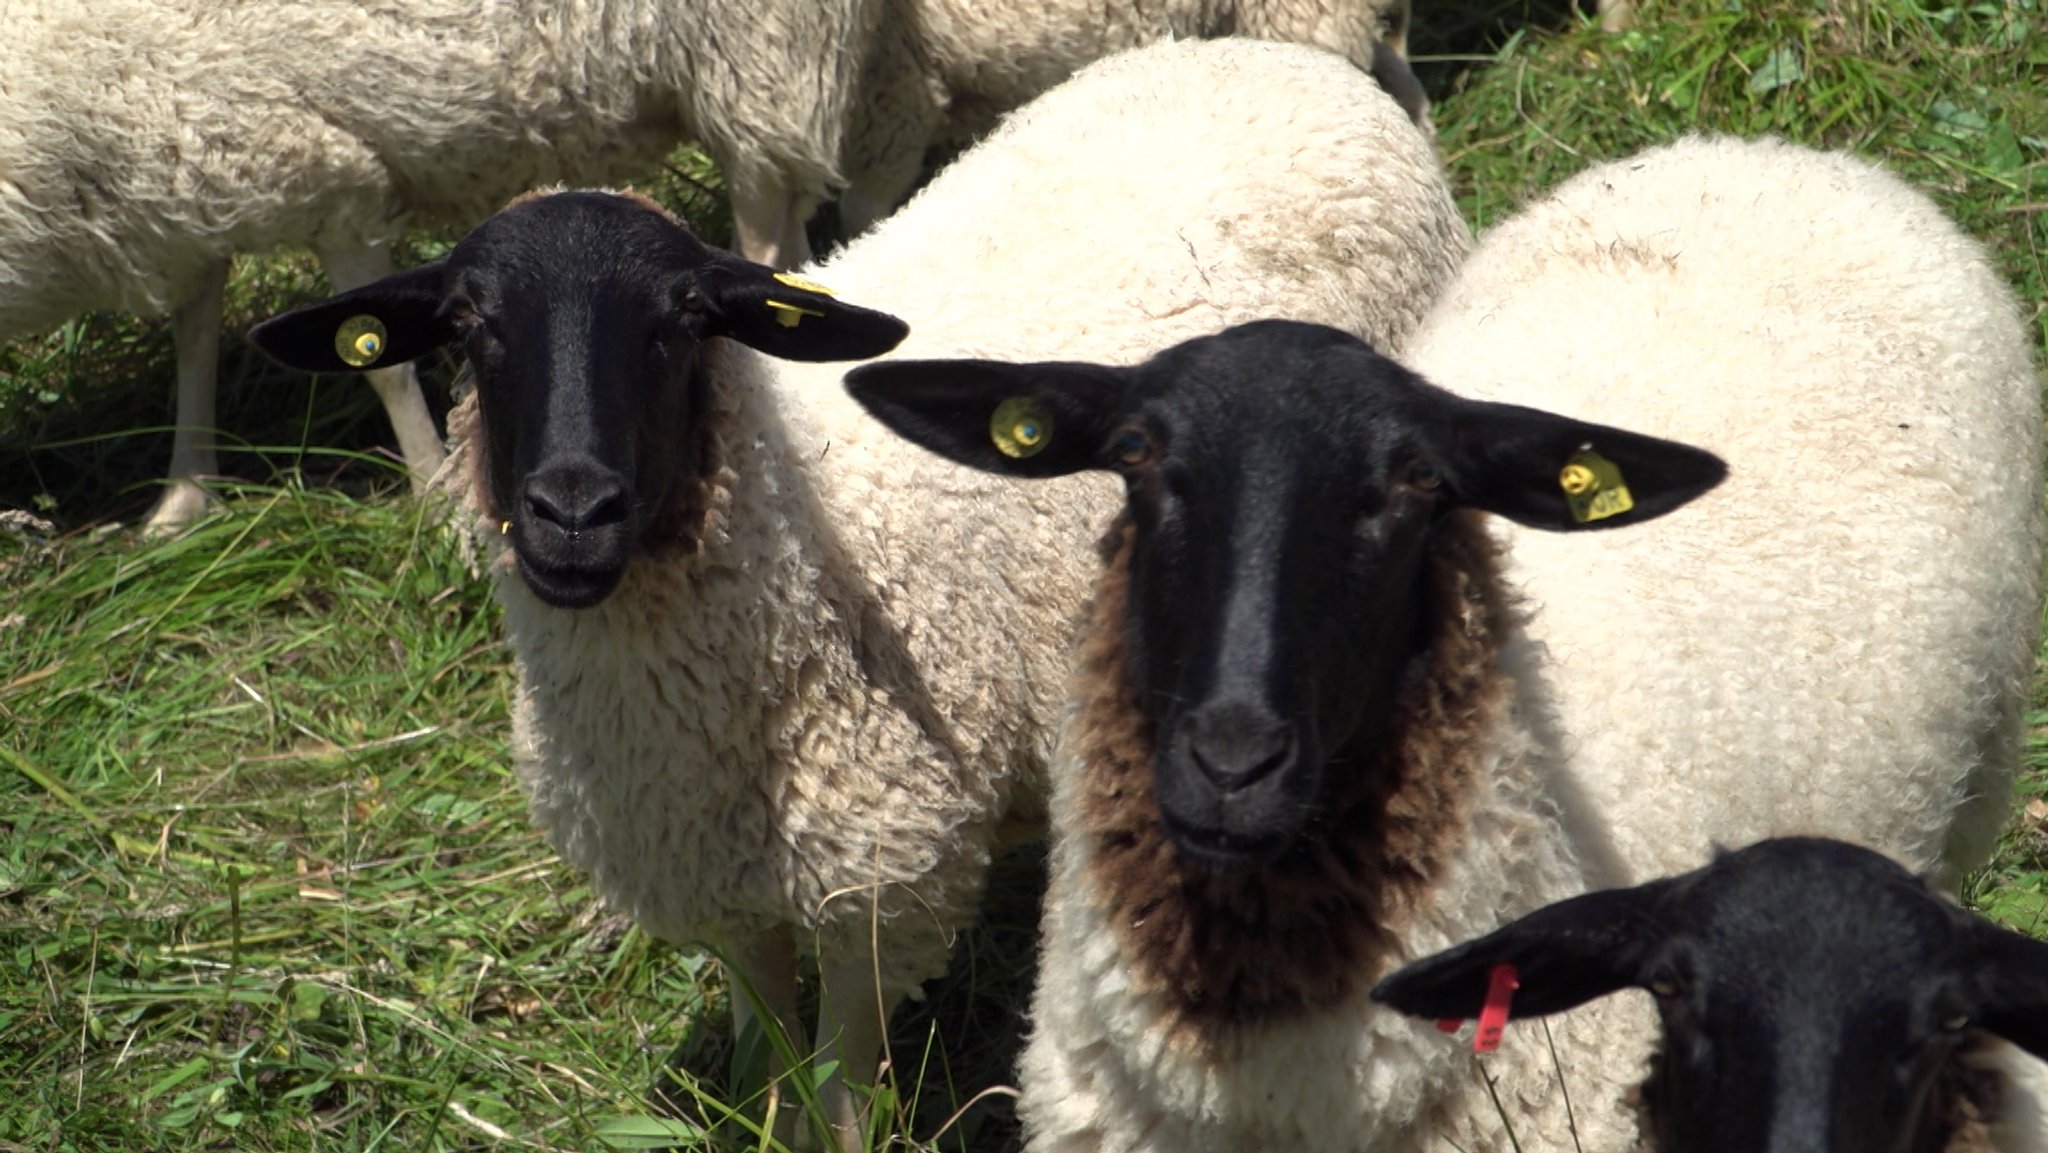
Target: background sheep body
[[1882, 356], [148, 139], [148, 142], [857, 675], [948, 68]]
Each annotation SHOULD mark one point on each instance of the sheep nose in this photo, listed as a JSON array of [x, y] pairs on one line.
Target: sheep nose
[[576, 497], [1237, 744]]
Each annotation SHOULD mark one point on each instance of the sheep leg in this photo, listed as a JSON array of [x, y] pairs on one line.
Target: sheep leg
[[766, 964], [853, 1019], [195, 332], [768, 219], [397, 385], [1617, 15]]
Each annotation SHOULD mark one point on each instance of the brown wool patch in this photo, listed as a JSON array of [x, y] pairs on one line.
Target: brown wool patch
[[1310, 930], [637, 197]]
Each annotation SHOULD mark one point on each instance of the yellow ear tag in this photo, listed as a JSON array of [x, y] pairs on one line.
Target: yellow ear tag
[[795, 281], [359, 341], [1593, 487], [1021, 427], [789, 315]]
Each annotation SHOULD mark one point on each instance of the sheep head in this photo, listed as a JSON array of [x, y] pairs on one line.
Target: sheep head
[[1815, 996], [584, 317], [1284, 482]]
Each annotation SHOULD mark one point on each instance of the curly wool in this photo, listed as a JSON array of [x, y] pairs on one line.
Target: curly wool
[[1838, 640], [948, 68], [856, 675], [146, 141]]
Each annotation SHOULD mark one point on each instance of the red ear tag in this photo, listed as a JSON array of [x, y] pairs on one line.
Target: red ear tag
[[1493, 1018], [1450, 1024]]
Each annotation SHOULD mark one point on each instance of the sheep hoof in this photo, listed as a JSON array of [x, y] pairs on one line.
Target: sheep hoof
[[182, 503]]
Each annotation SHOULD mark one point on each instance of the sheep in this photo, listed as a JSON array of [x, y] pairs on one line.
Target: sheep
[[1300, 583], [1865, 607], [826, 669], [1814, 995], [1209, 940]]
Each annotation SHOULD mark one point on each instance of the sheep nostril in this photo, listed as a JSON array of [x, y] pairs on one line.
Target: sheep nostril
[[576, 500], [1235, 747]]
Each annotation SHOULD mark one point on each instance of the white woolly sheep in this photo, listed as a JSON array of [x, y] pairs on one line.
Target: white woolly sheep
[[1814, 996], [831, 664], [147, 143], [1229, 875]]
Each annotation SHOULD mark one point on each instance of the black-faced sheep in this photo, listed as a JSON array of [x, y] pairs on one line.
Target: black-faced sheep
[[1815, 997], [1836, 641], [829, 665], [1304, 733]]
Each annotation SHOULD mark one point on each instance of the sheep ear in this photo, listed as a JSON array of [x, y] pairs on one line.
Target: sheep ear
[[786, 316], [1564, 955], [2013, 987], [383, 323], [1552, 472], [1031, 420]]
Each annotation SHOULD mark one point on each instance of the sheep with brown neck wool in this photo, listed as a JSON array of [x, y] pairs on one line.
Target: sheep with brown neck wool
[[1305, 733], [815, 667], [1814, 996], [1900, 369]]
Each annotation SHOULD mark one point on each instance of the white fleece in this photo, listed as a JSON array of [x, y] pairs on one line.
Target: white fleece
[[146, 138], [1839, 639], [947, 68]]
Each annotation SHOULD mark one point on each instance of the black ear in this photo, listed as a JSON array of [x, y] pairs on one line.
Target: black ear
[[1552, 472], [387, 322], [1564, 955], [786, 316], [1032, 420], [2013, 987]]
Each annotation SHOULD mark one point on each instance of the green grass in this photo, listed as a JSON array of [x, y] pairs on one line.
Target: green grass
[[265, 882]]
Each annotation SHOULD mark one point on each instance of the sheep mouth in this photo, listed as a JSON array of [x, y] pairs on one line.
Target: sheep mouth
[[573, 586], [1223, 849]]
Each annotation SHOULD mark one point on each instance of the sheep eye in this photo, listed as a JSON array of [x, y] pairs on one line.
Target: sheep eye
[[1131, 447], [1424, 476], [1664, 983], [461, 315]]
